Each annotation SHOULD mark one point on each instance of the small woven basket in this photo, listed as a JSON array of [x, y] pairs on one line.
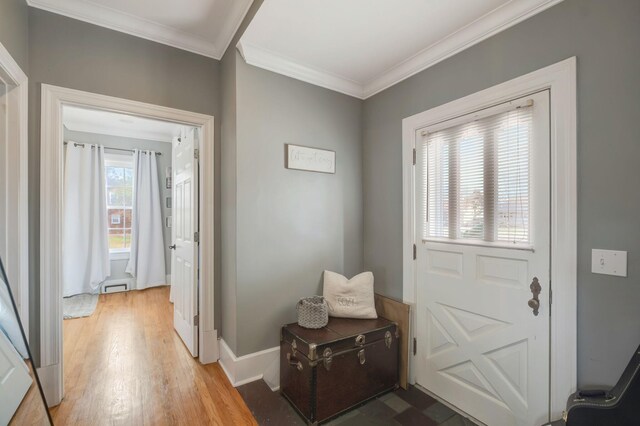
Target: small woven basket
[[313, 312]]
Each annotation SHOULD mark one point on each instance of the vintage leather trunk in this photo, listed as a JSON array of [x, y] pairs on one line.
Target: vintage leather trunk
[[326, 371]]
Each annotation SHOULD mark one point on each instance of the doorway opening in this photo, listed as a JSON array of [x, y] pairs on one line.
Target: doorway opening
[[119, 233], [121, 187], [124, 177]]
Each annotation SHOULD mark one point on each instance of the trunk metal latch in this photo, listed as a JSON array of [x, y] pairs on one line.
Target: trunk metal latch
[[388, 339], [327, 354], [360, 340], [361, 357]]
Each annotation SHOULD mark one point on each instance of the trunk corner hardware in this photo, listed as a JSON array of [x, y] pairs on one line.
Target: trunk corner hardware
[[312, 351]]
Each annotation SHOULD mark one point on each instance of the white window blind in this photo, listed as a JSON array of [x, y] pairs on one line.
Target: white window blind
[[476, 179]]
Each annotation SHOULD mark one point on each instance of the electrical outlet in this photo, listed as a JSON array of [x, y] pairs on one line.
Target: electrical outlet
[[609, 262]]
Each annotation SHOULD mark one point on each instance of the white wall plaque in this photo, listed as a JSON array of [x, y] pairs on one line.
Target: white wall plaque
[[310, 159]]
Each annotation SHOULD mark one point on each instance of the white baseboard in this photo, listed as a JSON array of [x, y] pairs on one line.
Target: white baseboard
[[51, 387], [209, 351], [263, 365]]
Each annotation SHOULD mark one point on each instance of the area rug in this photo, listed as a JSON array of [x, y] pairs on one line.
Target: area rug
[[81, 305]]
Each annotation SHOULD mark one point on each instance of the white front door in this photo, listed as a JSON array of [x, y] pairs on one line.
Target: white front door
[[184, 258], [482, 203]]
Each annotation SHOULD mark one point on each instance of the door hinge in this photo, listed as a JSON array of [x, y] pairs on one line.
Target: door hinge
[[415, 346], [196, 320], [415, 252], [414, 156], [196, 154], [550, 295], [196, 237]]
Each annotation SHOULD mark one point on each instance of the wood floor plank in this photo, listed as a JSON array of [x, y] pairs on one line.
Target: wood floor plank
[[125, 365]]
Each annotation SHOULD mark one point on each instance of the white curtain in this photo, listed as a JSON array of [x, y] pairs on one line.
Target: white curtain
[[146, 262], [85, 241]]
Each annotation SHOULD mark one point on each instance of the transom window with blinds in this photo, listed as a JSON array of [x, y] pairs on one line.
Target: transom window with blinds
[[476, 183]]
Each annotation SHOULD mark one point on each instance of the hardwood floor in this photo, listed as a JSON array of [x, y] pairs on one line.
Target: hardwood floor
[[125, 365]]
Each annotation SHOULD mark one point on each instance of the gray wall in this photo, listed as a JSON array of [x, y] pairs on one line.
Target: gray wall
[[118, 265], [228, 198], [14, 30], [291, 225], [74, 54], [228, 329], [605, 37]]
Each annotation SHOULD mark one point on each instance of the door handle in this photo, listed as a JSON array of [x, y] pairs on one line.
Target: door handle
[[534, 302], [172, 247]]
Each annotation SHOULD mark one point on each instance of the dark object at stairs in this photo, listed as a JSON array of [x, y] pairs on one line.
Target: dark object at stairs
[[619, 406]]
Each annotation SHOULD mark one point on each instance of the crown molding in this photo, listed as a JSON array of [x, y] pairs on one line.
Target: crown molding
[[262, 58], [482, 28], [126, 23], [232, 24]]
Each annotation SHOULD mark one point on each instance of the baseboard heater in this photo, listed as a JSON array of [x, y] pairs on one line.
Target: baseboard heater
[[115, 287]]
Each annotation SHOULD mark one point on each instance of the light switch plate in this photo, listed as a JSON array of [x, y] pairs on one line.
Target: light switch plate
[[609, 262]]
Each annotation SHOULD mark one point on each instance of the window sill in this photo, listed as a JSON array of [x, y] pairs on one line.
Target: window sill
[[487, 244], [119, 255]]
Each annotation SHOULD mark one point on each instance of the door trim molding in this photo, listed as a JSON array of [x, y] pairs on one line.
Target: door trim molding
[[560, 79], [51, 207], [16, 172]]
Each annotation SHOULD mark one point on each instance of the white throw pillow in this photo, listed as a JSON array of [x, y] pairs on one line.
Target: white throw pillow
[[350, 298]]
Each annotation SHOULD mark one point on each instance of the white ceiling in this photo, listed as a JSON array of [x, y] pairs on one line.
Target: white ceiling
[[205, 27], [360, 47], [116, 124]]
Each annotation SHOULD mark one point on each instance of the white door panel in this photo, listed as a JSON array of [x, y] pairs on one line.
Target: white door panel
[[184, 258], [14, 379], [480, 347]]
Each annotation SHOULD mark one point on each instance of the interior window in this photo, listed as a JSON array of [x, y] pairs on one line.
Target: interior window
[[119, 181]]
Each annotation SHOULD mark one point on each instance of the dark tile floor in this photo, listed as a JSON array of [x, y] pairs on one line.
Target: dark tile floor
[[410, 407]]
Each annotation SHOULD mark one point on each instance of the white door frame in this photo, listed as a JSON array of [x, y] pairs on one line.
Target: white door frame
[[51, 208], [560, 79], [16, 176]]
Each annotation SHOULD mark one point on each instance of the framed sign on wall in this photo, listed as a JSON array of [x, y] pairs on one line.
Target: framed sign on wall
[[309, 159]]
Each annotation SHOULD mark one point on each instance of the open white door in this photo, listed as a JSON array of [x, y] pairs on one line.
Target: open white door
[[14, 379], [13, 185], [482, 209], [184, 257]]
